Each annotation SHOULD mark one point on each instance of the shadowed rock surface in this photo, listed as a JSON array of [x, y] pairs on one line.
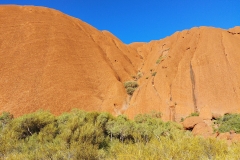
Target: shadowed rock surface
[[52, 61]]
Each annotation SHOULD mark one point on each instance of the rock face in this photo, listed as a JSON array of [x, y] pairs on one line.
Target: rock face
[[205, 113], [194, 68], [52, 61]]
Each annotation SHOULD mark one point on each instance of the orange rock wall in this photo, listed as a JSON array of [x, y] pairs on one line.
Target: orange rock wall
[[52, 61], [199, 67]]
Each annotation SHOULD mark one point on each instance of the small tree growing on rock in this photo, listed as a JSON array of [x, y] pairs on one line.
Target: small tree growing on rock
[[130, 86]]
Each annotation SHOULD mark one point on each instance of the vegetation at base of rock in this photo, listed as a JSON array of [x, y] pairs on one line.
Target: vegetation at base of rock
[[229, 122], [130, 86], [93, 135]]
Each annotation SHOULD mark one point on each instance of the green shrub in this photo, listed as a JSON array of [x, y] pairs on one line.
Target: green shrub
[[5, 118], [130, 86], [130, 90], [92, 135], [229, 122], [30, 124]]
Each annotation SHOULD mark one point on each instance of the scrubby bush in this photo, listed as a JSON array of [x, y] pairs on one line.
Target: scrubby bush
[[229, 122], [130, 86], [91, 135], [130, 90], [5, 118]]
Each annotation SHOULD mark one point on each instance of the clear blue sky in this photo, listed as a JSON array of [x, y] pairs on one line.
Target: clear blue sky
[[146, 20]]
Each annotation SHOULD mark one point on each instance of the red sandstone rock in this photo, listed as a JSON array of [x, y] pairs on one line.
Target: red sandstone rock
[[55, 62], [216, 115], [224, 136], [190, 122], [203, 129], [205, 113], [235, 138], [208, 122], [214, 135], [200, 68], [232, 132]]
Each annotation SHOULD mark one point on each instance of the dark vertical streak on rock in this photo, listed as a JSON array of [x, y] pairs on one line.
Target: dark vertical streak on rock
[[170, 92], [192, 76]]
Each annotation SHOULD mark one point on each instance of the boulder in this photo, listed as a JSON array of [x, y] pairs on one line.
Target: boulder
[[203, 129], [190, 122], [235, 137], [208, 122], [216, 115], [224, 136]]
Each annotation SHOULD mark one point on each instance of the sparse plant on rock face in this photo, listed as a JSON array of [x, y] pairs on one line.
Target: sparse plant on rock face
[[139, 74], [160, 59], [130, 86], [182, 119], [194, 114], [130, 90], [154, 73]]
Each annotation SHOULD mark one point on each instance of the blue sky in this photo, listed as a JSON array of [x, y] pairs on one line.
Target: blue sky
[[142, 20]]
